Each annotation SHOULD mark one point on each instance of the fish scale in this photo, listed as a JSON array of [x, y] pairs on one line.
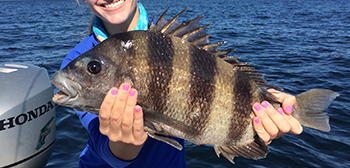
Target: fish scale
[[203, 80], [187, 89]]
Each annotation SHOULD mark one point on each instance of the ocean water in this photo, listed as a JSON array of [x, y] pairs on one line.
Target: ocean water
[[299, 45]]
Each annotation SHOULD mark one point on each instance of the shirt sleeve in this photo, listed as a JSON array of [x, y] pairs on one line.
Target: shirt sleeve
[[154, 153], [101, 145]]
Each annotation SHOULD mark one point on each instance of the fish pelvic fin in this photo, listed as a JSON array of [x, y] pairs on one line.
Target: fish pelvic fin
[[310, 106], [256, 149], [163, 138]]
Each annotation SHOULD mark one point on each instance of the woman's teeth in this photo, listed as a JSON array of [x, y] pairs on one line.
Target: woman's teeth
[[114, 4]]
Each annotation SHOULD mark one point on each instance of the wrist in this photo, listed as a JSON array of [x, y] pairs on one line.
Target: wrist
[[124, 151]]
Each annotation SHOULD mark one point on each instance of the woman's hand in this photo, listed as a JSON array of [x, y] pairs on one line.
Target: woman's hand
[[122, 121], [270, 123]]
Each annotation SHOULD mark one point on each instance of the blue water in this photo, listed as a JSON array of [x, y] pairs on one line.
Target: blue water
[[299, 45]]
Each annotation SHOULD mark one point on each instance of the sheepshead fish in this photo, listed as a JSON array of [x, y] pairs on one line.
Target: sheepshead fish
[[187, 88]]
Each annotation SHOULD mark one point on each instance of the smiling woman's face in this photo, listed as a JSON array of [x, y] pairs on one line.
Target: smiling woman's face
[[112, 11]]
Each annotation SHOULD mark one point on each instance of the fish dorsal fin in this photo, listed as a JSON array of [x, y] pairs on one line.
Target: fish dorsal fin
[[190, 31], [160, 22], [211, 47], [195, 34], [249, 70], [151, 25], [172, 21], [222, 53], [201, 41], [253, 74], [186, 27]]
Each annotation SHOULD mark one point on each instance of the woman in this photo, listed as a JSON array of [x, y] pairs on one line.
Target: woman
[[116, 136]]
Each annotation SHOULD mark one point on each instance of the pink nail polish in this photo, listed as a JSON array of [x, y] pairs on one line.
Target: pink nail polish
[[257, 107], [137, 109], [257, 120], [265, 104], [126, 87], [280, 110], [289, 108], [114, 92], [132, 93]]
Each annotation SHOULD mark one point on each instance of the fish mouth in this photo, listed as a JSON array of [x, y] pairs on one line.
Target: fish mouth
[[113, 4], [61, 97], [68, 89]]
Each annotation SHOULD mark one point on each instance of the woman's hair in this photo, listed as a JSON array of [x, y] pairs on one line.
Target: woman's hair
[[78, 1], [91, 25], [92, 20]]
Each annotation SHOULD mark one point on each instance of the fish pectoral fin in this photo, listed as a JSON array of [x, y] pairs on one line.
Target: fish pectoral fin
[[256, 149], [166, 125], [163, 138], [159, 126]]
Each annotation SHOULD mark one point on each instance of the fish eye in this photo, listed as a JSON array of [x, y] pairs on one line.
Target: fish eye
[[94, 67]]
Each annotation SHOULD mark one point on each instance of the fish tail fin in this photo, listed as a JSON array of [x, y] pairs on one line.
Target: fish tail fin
[[310, 106], [256, 149]]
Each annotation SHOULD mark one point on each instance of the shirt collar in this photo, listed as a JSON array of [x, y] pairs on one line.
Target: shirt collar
[[101, 34]]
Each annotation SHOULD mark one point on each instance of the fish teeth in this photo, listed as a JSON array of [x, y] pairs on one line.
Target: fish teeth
[[114, 4]]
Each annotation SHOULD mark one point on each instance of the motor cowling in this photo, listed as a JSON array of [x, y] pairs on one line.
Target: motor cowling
[[27, 116]]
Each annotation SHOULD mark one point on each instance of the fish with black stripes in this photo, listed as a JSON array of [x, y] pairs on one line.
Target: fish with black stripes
[[186, 87]]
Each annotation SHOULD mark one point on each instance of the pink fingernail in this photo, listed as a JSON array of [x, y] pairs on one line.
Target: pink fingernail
[[289, 108], [137, 109], [126, 87], [132, 93], [257, 107], [280, 110], [265, 104], [257, 120], [114, 92]]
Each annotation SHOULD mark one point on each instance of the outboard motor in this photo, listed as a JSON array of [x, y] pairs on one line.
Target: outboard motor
[[27, 116]]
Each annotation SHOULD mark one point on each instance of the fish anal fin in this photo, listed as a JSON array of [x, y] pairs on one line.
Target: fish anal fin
[[256, 149], [220, 150]]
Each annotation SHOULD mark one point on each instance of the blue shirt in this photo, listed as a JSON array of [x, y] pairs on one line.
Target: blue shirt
[[154, 153]]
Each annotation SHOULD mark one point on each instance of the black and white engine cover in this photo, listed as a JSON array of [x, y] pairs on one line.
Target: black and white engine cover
[[27, 116]]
